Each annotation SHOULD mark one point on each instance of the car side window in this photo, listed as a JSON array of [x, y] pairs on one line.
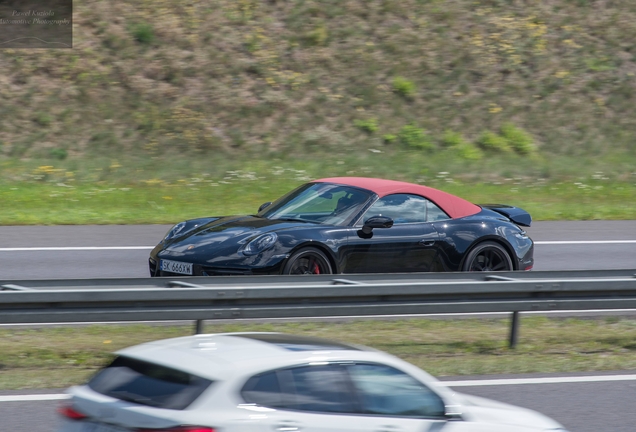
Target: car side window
[[263, 389], [383, 390], [435, 213], [402, 208], [322, 388], [319, 388]]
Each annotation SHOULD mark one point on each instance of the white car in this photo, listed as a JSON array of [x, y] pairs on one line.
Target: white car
[[265, 382]]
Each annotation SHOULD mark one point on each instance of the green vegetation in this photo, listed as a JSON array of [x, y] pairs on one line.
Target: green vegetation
[[106, 192], [404, 87], [369, 125], [517, 139], [493, 142], [492, 92], [59, 357], [143, 33], [415, 138]]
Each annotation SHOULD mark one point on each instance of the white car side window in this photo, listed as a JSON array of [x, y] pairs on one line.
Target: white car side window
[[320, 388], [383, 390]]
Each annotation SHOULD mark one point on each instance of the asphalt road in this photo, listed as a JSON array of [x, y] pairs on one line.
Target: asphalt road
[[579, 406], [105, 251], [121, 251]]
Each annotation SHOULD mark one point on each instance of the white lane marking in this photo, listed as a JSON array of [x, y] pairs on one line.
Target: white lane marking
[[551, 380], [34, 397], [75, 248], [466, 383], [98, 248], [580, 242]]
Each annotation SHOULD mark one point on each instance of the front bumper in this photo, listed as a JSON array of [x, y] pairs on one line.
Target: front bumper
[[202, 270]]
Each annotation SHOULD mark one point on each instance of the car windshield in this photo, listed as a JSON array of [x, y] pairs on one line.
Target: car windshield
[[323, 203]]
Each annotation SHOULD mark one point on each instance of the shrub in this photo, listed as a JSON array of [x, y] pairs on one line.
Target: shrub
[[469, 151], [143, 33], [317, 37], [58, 153], [453, 139], [368, 126], [389, 138], [416, 138], [456, 143], [404, 87], [518, 139], [490, 141], [43, 119]]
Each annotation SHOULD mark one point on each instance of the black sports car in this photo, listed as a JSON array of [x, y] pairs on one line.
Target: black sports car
[[351, 225]]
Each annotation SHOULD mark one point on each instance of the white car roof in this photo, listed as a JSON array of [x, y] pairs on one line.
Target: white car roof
[[223, 355]]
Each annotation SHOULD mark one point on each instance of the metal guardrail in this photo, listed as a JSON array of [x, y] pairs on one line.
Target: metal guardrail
[[206, 298], [290, 280]]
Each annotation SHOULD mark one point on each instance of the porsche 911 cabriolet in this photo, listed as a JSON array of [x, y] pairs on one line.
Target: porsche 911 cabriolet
[[351, 225]]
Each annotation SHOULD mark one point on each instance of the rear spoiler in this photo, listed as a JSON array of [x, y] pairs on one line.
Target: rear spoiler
[[515, 214]]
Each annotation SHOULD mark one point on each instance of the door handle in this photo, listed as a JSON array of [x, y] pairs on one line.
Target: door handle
[[287, 426], [427, 242], [389, 428]]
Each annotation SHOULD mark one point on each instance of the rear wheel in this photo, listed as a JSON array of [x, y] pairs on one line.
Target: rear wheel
[[488, 256], [308, 261]]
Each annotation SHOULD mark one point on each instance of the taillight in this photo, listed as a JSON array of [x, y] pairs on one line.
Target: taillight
[[71, 413], [179, 429]]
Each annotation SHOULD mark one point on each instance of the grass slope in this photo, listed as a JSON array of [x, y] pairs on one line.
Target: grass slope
[[485, 89], [165, 110]]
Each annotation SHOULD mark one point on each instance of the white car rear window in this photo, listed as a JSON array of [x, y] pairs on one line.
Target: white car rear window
[[149, 384]]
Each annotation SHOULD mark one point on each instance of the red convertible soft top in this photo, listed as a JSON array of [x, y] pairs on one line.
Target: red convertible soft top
[[454, 206]]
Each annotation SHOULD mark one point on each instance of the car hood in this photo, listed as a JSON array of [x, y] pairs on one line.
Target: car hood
[[230, 230], [484, 410]]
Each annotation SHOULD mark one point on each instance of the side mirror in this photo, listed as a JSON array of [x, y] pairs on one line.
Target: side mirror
[[376, 222], [264, 206]]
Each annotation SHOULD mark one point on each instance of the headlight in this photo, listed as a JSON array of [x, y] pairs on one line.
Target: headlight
[[260, 243], [175, 230]]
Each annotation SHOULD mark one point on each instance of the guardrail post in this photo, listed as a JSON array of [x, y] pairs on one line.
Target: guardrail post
[[198, 327], [514, 330]]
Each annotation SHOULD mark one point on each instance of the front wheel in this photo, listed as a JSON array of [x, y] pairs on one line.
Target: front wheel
[[308, 261], [488, 256]]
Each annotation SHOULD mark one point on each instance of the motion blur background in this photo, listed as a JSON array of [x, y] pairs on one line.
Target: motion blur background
[[527, 99]]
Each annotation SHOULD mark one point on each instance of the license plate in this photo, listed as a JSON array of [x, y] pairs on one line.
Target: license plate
[[101, 427], [176, 267]]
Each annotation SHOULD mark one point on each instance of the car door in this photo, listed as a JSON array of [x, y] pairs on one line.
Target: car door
[[349, 397], [410, 245], [308, 398], [390, 400]]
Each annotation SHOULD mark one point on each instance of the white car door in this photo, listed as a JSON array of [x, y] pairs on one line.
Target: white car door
[[321, 398], [390, 400], [350, 397]]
